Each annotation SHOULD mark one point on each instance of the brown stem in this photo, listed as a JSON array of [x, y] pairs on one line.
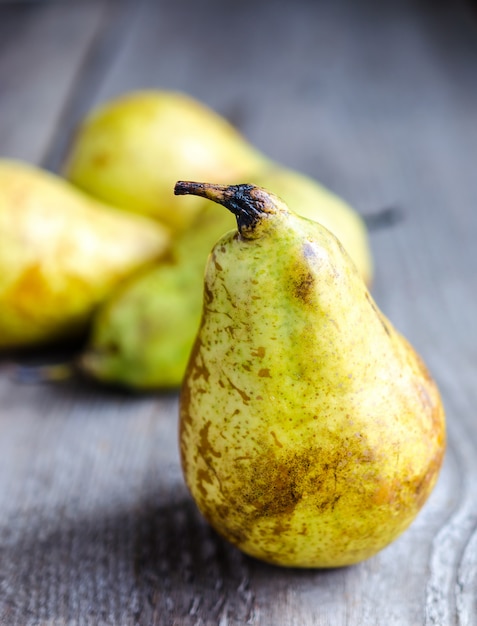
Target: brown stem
[[247, 202]]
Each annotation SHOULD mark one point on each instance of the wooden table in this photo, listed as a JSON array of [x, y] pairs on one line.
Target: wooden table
[[378, 100]]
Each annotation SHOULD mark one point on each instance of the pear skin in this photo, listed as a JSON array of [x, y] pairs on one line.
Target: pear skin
[[61, 254], [311, 432], [310, 199], [130, 151]]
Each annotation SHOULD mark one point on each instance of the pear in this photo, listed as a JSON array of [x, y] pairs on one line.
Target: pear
[[311, 433], [61, 254], [130, 151], [142, 337], [310, 199]]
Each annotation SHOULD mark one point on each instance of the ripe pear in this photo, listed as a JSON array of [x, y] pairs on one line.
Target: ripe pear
[[310, 199], [61, 254], [142, 337], [130, 151], [311, 432]]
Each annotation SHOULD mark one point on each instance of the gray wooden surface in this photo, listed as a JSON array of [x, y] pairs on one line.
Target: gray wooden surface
[[379, 101]]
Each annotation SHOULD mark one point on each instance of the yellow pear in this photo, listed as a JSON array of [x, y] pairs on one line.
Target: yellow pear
[[61, 254], [311, 432], [141, 338], [130, 151]]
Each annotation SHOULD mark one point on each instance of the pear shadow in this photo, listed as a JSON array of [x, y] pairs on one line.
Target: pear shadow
[[151, 563], [57, 370]]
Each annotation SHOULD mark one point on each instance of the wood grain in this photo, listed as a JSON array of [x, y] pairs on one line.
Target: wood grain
[[379, 102], [42, 46]]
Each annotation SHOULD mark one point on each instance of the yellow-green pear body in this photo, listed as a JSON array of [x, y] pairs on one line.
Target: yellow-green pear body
[[130, 151], [142, 337], [308, 198], [311, 432], [61, 254]]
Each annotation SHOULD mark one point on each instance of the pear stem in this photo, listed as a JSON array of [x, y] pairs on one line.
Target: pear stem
[[247, 202]]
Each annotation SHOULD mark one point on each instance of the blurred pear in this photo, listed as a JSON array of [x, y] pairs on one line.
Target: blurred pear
[[142, 336], [61, 254], [131, 150]]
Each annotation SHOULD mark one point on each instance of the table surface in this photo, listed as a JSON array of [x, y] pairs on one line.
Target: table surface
[[379, 102]]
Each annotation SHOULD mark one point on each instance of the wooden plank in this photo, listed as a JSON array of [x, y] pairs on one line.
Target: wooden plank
[[42, 46], [378, 100], [117, 19]]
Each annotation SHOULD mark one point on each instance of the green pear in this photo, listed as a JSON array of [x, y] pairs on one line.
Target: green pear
[[61, 254], [142, 337], [130, 151], [311, 432], [308, 198]]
